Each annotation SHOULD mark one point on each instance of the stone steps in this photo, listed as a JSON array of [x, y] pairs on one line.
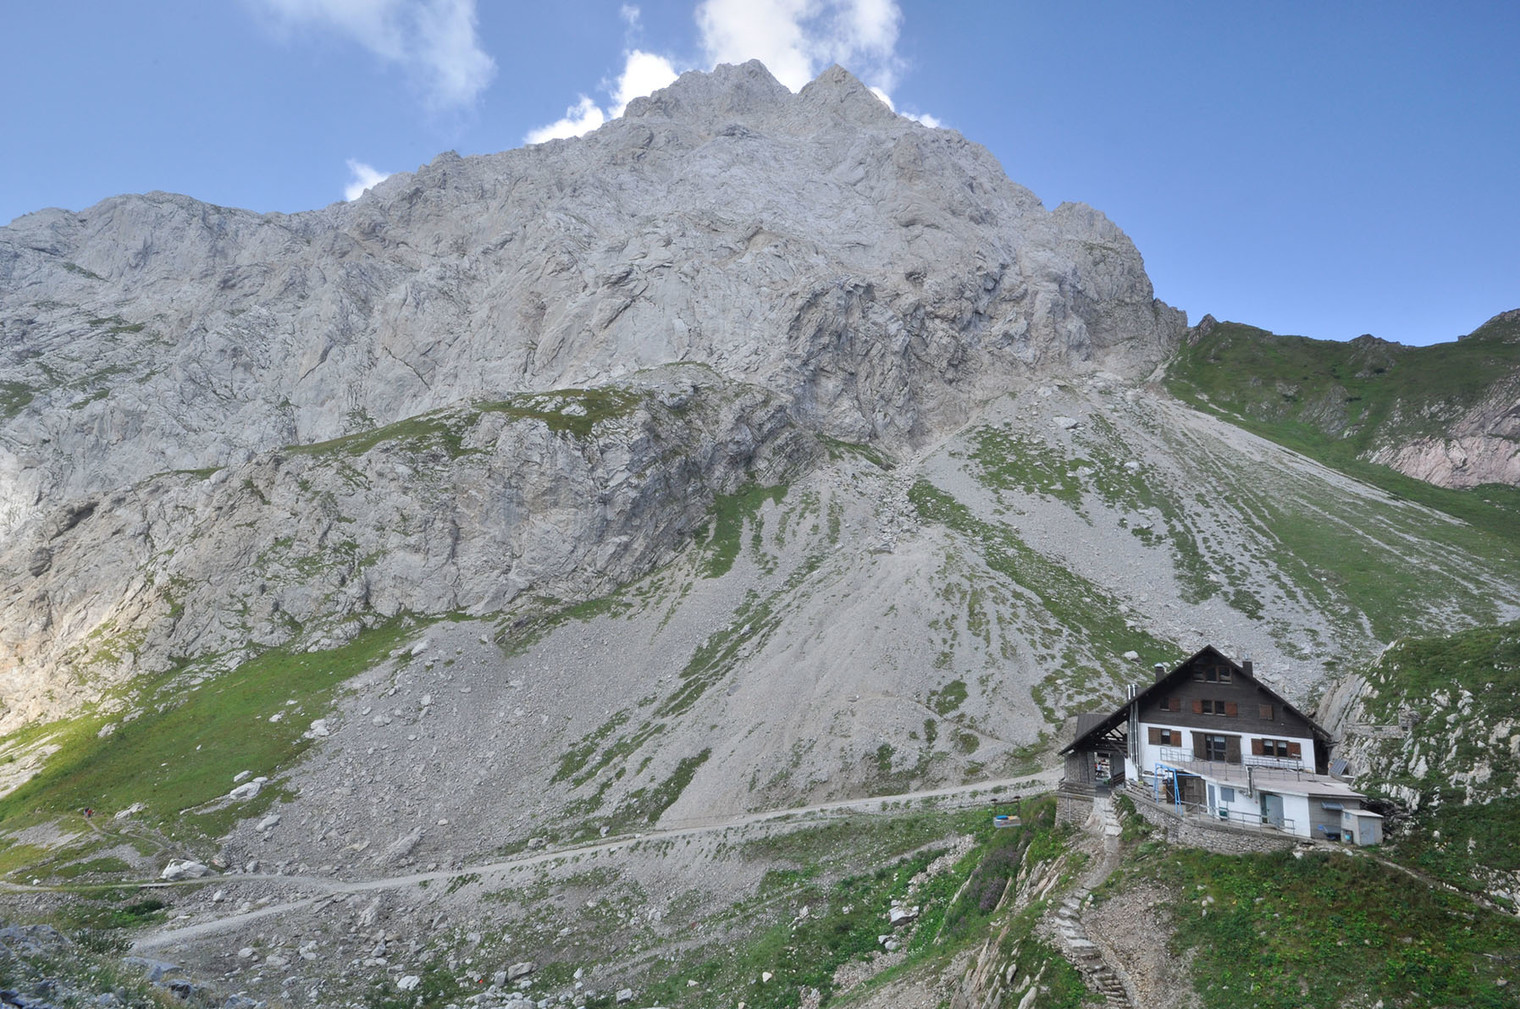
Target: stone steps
[[1071, 934]]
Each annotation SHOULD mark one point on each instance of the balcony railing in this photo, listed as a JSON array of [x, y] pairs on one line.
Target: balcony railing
[[1277, 768]]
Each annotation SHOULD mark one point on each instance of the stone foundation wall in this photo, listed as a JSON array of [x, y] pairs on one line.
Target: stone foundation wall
[[1073, 807]]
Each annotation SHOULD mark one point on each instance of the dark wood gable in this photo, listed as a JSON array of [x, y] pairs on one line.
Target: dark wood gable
[[1209, 692]]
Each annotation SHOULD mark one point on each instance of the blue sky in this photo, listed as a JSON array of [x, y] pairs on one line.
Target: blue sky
[[1319, 168]]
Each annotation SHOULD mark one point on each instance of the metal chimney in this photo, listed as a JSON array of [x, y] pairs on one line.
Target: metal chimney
[[1160, 672]]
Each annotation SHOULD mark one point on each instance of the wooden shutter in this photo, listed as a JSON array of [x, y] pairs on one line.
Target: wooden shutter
[[1295, 750], [1197, 707], [1257, 749], [1174, 703], [1232, 749], [1231, 709], [1154, 735], [1199, 750], [1265, 711]]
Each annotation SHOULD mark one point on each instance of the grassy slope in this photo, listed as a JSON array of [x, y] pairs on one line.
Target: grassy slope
[[187, 744], [1336, 401], [847, 873], [1464, 690], [1267, 540], [1355, 395], [1326, 930]]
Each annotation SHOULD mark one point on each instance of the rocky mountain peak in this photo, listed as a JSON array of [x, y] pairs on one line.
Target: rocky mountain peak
[[726, 93], [1504, 327]]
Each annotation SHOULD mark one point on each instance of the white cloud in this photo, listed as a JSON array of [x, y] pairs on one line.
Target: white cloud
[[933, 122], [582, 117], [365, 176], [796, 39], [433, 40], [736, 31], [643, 73]]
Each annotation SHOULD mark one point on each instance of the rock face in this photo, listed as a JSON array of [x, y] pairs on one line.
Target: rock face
[[879, 275], [526, 371]]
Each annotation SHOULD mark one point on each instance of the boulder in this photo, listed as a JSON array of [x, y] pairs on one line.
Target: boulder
[[183, 869], [153, 970], [247, 790]]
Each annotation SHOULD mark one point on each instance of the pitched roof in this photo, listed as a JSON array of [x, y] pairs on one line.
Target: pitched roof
[[1090, 730]]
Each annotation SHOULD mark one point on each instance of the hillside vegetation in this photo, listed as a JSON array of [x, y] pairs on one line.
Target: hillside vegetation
[[1351, 404], [1436, 730]]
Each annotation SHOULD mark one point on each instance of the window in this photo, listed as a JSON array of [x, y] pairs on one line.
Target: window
[[1215, 747], [1265, 712], [1214, 674], [1226, 794], [1275, 748], [1165, 737], [1210, 706]]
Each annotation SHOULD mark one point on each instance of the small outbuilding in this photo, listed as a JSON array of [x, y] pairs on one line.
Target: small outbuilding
[[1361, 826]]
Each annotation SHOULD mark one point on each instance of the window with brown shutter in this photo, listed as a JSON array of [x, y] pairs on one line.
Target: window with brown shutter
[[1154, 736], [1265, 711], [1197, 707], [1231, 709], [1232, 749], [1256, 748], [1174, 703], [1295, 750]]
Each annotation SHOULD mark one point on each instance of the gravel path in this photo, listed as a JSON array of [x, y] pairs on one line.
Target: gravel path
[[330, 887]]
